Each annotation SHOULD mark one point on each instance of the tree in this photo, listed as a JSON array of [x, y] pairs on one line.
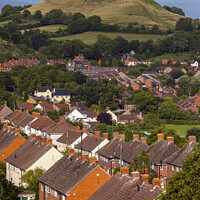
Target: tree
[[194, 131], [145, 102], [170, 111], [25, 96], [134, 72], [26, 13], [176, 74], [104, 117], [184, 24], [37, 15], [30, 178], [186, 183], [7, 189]]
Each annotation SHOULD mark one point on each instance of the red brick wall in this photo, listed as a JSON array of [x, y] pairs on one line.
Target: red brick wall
[[11, 148], [48, 196], [89, 185]]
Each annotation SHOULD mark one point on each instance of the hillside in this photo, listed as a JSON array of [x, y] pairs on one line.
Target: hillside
[[122, 12]]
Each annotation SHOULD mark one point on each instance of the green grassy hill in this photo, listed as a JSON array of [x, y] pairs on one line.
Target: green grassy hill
[[121, 12]]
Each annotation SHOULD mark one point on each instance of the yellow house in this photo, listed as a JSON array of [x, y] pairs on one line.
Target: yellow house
[[60, 94]]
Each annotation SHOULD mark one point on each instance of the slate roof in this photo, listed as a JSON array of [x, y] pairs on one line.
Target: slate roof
[[42, 122], [44, 89], [65, 174], [111, 149], [60, 127], [69, 137], [46, 107], [132, 116], [60, 92], [132, 151], [27, 154], [6, 138], [179, 156], [125, 188], [89, 114], [161, 150], [5, 111], [90, 143], [59, 106]]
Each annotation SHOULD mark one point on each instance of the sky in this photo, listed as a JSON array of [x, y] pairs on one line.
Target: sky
[[190, 7]]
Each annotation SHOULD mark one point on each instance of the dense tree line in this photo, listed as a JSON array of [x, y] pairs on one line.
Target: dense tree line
[[175, 10]]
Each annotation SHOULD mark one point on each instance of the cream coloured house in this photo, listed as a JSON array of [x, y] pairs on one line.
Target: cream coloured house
[[45, 92], [60, 94], [36, 152]]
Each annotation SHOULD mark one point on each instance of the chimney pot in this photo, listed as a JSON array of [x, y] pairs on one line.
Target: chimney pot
[[160, 137], [192, 138], [115, 134], [135, 137], [170, 139], [144, 170], [122, 136], [17, 131], [84, 130]]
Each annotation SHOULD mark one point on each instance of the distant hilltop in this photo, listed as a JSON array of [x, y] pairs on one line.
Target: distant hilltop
[[121, 12]]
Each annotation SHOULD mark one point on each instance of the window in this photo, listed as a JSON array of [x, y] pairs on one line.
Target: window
[[173, 168], [48, 189], [42, 187], [55, 193], [152, 166], [63, 198], [177, 169], [161, 167], [161, 181]]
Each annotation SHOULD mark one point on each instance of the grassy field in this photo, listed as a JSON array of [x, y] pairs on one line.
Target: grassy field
[[181, 129], [91, 37], [171, 56], [121, 12], [51, 28]]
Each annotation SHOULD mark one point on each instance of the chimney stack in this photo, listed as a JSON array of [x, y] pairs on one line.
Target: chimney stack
[[105, 135], [115, 134], [44, 140], [85, 158], [143, 140], [170, 139], [124, 171], [160, 137], [93, 159], [97, 133], [9, 128], [135, 137], [71, 152], [135, 174], [33, 135], [192, 138], [156, 182], [49, 141], [77, 128], [39, 138], [145, 178], [84, 130], [122, 136], [107, 108], [17, 131]]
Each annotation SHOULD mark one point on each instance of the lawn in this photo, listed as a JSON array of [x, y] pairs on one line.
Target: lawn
[[181, 129], [52, 28], [91, 37]]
